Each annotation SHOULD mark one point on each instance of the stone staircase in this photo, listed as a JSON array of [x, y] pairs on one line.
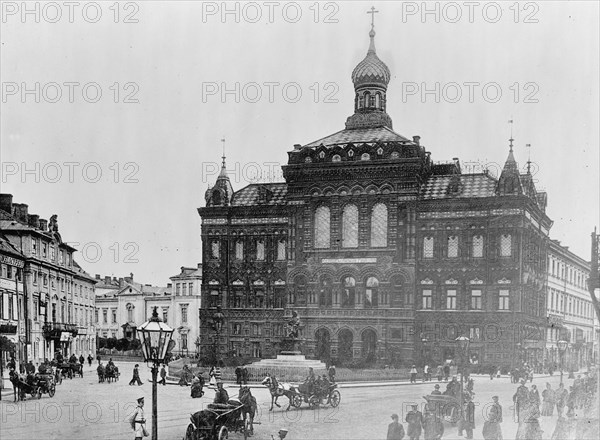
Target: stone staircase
[[288, 366]]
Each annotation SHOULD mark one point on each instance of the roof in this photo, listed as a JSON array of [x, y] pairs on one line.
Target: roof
[[359, 135], [6, 247], [468, 185], [274, 194]]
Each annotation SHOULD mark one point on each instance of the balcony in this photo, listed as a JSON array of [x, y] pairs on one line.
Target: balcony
[[53, 330]]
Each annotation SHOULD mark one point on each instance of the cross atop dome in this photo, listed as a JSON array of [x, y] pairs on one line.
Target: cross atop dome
[[370, 77]]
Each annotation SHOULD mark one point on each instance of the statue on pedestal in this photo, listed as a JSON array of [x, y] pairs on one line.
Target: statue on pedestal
[[293, 325]]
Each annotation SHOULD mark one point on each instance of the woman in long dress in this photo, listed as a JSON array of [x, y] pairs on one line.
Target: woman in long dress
[[212, 381], [549, 401]]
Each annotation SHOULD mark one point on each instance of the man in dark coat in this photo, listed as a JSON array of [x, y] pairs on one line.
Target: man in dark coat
[[90, 359], [395, 429], [414, 418], [433, 429], [221, 395], [136, 376], [467, 423], [81, 359], [491, 427], [561, 399], [245, 375], [30, 368], [521, 401], [238, 375], [446, 372], [163, 375], [331, 373]]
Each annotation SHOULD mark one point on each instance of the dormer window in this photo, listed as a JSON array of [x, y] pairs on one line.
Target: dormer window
[[350, 153], [365, 156], [322, 155], [308, 160], [336, 158]]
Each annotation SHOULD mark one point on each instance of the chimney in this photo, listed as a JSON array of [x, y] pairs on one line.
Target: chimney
[[169, 285], [97, 276], [20, 212], [6, 202], [34, 221], [417, 140], [199, 265], [121, 282], [106, 279], [43, 224], [297, 146]]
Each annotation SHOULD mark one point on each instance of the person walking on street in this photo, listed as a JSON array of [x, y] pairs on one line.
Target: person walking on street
[[561, 399], [491, 427], [426, 375], [413, 374], [414, 418], [138, 420], [238, 375], [163, 375], [245, 375], [136, 376], [534, 400], [548, 399], [90, 359], [331, 373], [521, 401], [446, 372], [467, 423], [395, 429], [439, 373], [433, 429]]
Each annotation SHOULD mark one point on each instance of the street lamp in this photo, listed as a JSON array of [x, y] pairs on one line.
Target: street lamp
[[218, 319], [155, 336], [562, 346], [463, 343]]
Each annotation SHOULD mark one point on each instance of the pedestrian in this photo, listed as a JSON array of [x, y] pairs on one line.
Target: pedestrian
[[138, 420], [98, 359], [548, 401], [30, 368], [331, 373], [163, 375], [433, 429], [534, 400], [413, 374], [446, 372], [414, 418], [90, 359], [238, 375], [521, 401], [212, 380], [467, 422], [395, 429], [426, 373], [81, 359], [245, 375], [436, 391], [561, 399], [491, 427], [439, 373], [136, 376]]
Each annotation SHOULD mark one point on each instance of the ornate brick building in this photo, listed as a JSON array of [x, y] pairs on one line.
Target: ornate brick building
[[376, 247]]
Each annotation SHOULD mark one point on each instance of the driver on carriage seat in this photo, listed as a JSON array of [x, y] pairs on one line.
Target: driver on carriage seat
[[221, 395], [110, 362]]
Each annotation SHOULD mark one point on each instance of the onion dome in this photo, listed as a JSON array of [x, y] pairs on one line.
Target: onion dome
[[371, 70]]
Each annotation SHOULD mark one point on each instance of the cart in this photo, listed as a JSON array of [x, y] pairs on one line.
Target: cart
[[324, 396], [217, 421]]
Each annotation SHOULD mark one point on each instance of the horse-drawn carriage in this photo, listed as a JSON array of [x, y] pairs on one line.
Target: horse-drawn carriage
[[34, 385], [321, 392], [67, 369], [447, 407], [108, 373], [218, 420]]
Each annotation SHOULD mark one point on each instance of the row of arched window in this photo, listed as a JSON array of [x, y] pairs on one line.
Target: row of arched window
[[453, 248], [350, 226]]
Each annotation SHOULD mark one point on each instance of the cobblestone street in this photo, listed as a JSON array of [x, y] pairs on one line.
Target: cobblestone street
[[84, 408]]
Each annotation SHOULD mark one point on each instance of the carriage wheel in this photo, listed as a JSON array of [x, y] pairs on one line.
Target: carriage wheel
[[334, 398], [190, 433], [296, 401], [52, 390], [223, 433]]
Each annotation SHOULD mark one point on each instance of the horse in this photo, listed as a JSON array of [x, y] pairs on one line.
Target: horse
[[100, 371], [250, 406], [277, 390]]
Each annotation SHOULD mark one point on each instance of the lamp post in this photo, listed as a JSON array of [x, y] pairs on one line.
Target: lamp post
[[218, 319], [463, 343], [562, 346], [155, 336]]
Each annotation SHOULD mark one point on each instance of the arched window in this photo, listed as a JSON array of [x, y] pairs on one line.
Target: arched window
[[322, 227], [336, 158], [260, 250], [371, 292], [215, 249], [367, 99], [350, 226], [477, 246], [281, 250], [379, 223], [325, 292], [377, 100], [130, 308], [239, 250], [348, 292], [506, 247]]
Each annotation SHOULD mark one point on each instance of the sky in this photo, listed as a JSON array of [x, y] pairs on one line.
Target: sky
[[112, 117]]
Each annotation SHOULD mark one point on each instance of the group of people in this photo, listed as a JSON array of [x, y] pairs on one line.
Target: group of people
[[317, 385], [525, 372], [429, 425], [442, 372]]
